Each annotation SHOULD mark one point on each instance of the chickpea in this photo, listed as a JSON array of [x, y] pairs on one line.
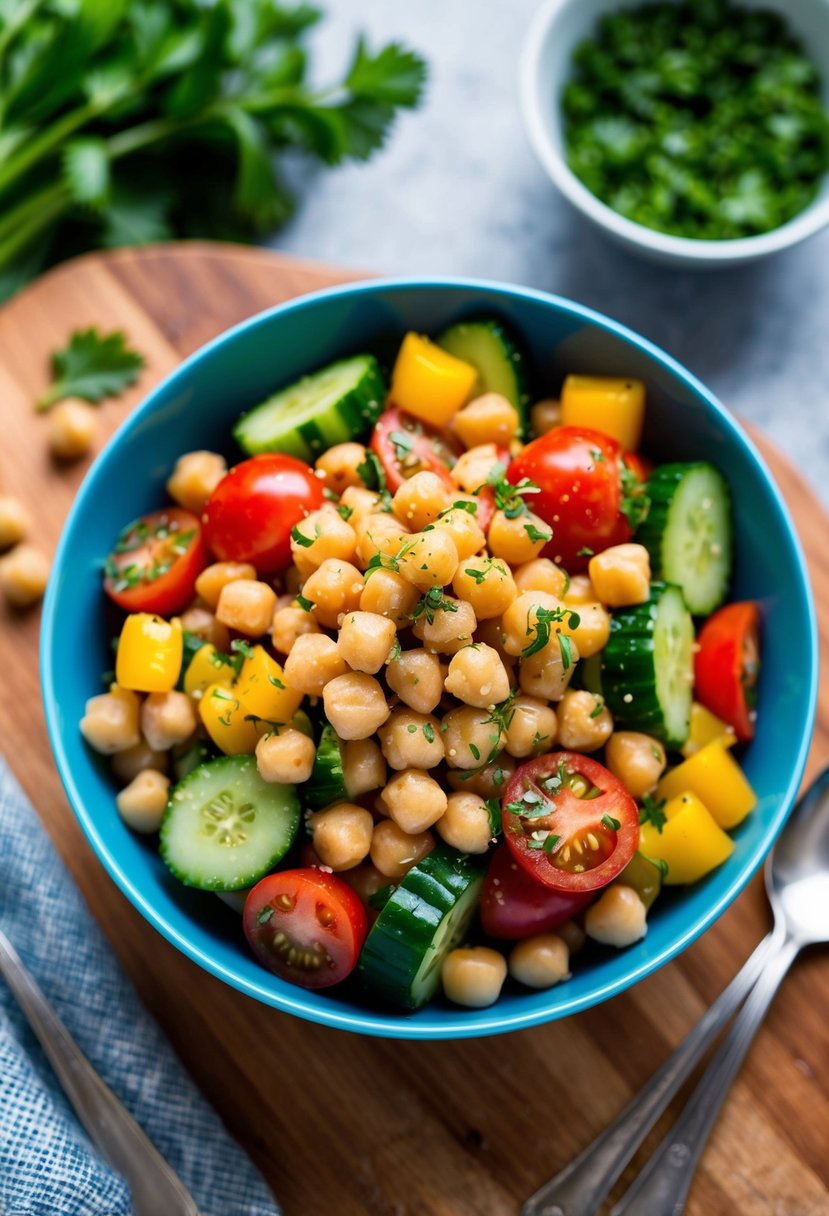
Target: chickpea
[[214, 578], [142, 803], [355, 705], [365, 640], [491, 634], [617, 918], [621, 575], [580, 591], [474, 977], [394, 852], [364, 768], [411, 740], [541, 961], [292, 581], [413, 800], [477, 676], [430, 560], [573, 936], [168, 718], [486, 583], [290, 623], [470, 737], [546, 674], [545, 415], [110, 723], [379, 534], [15, 521], [387, 593], [487, 782], [247, 606], [127, 764], [637, 760], [73, 425], [286, 757], [593, 630], [532, 727], [520, 621], [24, 574], [517, 540], [342, 835], [452, 626], [194, 479], [339, 466], [416, 677], [203, 623], [313, 662], [488, 419], [541, 575], [584, 722], [365, 880], [420, 500], [471, 470], [361, 503], [464, 529], [334, 588], [466, 824], [329, 536]]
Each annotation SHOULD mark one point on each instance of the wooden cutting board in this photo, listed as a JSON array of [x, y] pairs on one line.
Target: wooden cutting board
[[347, 1126]]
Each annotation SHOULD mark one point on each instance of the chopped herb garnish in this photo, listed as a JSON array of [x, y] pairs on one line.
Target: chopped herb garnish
[[544, 618], [395, 651], [264, 915], [300, 538], [597, 709], [240, 646], [475, 750], [610, 822], [635, 503], [493, 807], [430, 604], [550, 842], [536, 534], [651, 812], [370, 472], [411, 728], [509, 498], [306, 605], [344, 511], [277, 683], [478, 575], [586, 551], [565, 645], [429, 732]]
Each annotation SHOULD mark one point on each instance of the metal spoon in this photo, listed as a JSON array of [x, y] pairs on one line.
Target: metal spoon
[[797, 881]]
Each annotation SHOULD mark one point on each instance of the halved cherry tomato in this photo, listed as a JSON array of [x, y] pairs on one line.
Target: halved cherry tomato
[[514, 905], [251, 512], [727, 665], [406, 446], [640, 466], [579, 473], [155, 563], [569, 822], [306, 926]]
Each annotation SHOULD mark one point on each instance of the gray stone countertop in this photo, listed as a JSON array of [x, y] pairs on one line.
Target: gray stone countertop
[[458, 191]]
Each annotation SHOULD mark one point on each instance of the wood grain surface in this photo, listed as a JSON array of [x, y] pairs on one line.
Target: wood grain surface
[[347, 1126]]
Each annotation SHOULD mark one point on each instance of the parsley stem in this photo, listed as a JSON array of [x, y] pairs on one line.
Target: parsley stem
[[15, 22], [26, 232], [26, 208], [35, 149]]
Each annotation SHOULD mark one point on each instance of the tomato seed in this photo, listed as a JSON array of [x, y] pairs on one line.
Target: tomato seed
[[285, 902]]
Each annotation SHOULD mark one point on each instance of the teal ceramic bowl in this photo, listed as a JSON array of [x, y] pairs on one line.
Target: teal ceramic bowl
[[195, 408]]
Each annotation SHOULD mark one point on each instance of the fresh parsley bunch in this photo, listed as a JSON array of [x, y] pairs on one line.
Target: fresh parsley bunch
[[128, 121]]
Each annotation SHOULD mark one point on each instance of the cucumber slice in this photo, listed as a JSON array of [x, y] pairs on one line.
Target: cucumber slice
[[688, 532], [493, 350], [339, 403], [225, 828], [648, 666], [422, 921], [326, 784]]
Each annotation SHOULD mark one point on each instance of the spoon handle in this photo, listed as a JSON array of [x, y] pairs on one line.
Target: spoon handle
[[578, 1190], [665, 1181]]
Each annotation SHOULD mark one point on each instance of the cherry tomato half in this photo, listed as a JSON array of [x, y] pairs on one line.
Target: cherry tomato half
[[569, 822], [405, 447], [251, 512], [155, 563], [306, 926], [727, 665], [514, 905], [579, 474]]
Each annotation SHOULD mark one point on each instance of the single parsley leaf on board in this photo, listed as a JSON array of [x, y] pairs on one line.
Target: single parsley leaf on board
[[92, 367]]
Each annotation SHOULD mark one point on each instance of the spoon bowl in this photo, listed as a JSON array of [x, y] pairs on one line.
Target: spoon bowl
[[797, 870]]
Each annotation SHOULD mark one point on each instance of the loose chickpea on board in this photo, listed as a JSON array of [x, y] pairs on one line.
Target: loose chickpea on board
[[15, 521], [24, 573]]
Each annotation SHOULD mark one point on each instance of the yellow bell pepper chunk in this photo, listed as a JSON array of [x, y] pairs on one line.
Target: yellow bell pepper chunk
[[614, 407], [430, 383], [705, 728], [208, 666], [691, 841], [228, 721], [716, 778], [149, 653], [263, 690]]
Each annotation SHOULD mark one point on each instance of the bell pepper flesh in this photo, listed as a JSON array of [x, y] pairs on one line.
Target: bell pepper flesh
[[716, 778], [227, 720], [149, 654], [691, 841], [208, 666], [616, 407], [706, 728], [263, 690], [430, 383]]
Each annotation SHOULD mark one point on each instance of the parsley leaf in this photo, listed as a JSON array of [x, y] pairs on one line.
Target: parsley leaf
[[430, 604], [635, 503], [300, 538], [536, 534], [370, 472], [91, 367], [544, 618], [651, 812]]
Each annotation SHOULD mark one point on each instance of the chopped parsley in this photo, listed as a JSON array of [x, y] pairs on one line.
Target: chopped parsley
[[536, 534], [344, 511], [509, 498], [611, 823], [599, 706], [478, 575], [300, 538], [430, 604], [544, 618], [651, 812], [370, 472], [429, 732], [586, 551], [305, 605]]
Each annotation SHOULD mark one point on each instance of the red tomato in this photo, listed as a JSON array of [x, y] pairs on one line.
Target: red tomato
[[640, 466], [306, 926], [579, 473], [253, 508], [155, 563], [514, 905], [569, 822], [405, 447], [727, 665]]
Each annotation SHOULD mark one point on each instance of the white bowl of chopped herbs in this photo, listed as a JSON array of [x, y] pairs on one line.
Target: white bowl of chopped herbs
[[695, 132]]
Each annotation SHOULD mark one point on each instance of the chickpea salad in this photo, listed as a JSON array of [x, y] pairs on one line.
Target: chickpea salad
[[440, 680]]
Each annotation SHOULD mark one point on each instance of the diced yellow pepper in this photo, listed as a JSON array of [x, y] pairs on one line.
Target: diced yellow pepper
[[614, 407], [716, 778], [430, 383], [228, 721], [705, 728], [691, 841], [263, 690], [149, 653], [208, 666]]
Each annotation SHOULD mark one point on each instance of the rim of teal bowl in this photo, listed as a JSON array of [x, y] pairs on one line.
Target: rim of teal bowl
[[388, 1025]]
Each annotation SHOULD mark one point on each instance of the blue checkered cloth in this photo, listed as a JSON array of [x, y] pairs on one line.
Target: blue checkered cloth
[[48, 1167]]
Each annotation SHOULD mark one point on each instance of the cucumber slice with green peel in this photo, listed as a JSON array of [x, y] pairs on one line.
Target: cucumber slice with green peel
[[424, 918], [327, 783], [648, 666], [225, 828], [688, 532], [491, 348], [335, 405]]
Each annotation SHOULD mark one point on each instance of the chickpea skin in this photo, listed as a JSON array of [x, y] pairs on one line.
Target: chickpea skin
[[540, 962], [477, 676], [355, 705], [470, 737], [474, 977], [466, 824], [394, 852], [285, 758], [411, 740], [637, 760], [342, 835], [416, 677], [584, 722], [414, 801]]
